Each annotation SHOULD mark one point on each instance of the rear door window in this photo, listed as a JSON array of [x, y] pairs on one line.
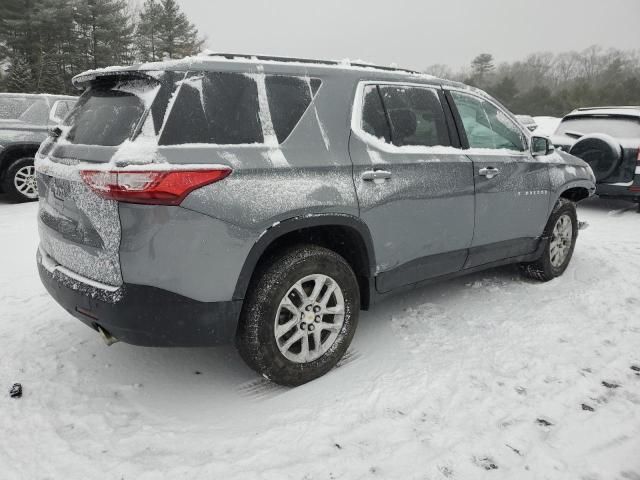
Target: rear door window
[[404, 115], [374, 119], [485, 125]]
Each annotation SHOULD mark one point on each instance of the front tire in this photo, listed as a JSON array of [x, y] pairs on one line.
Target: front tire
[[561, 233], [19, 181], [300, 315]]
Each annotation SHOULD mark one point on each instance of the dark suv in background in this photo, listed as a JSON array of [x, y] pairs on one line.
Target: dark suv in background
[[608, 139], [24, 121]]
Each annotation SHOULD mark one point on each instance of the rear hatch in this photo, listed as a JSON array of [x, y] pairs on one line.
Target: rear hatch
[[79, 230], [625, 130]]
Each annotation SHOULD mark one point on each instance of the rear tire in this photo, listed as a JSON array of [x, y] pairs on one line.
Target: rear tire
[[276, 318], [19, 180], [561, 233]]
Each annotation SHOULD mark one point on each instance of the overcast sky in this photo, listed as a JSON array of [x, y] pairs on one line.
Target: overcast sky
[[414, 33]]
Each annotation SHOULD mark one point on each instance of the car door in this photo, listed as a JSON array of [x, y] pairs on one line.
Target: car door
[[512, 186], [415, 189]]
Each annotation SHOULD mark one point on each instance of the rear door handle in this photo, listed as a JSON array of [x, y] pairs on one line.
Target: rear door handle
[[372, 175], [488, 172]]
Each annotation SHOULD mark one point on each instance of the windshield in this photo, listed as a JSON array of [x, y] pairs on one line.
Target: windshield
[[621, 127], [33, 110], [108, 113]]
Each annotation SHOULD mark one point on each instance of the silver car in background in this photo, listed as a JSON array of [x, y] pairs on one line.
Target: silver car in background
[[24, 122]]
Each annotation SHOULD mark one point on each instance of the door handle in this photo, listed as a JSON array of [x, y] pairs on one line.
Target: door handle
[[372, 175], [488, 172]]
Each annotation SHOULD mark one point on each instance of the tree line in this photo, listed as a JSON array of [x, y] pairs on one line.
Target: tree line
[[554, 84], [44, 43]]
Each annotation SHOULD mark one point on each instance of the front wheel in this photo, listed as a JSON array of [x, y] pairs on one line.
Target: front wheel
[[300, 315], [561, 233]]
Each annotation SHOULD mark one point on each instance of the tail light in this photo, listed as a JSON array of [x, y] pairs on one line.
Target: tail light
[[156, 187]]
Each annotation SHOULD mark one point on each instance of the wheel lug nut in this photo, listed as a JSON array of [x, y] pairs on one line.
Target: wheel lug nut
[[316, 309], [308, 308], [317, 318], [311, 327], [303, 326]]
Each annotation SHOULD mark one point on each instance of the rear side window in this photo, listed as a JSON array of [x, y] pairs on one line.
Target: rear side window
[[621, 127], [404, 115], [108, 113], [485, 125], [215, 107], [289, 98]]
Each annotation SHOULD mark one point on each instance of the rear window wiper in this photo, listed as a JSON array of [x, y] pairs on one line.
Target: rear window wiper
[[573, 133]]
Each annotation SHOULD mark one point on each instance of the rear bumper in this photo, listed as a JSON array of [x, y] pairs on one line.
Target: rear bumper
[[620, 191], [143, 315]]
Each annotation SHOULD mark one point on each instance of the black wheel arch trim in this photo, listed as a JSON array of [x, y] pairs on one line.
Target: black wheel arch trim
[[293, 224], [7, 150], [586, 184]]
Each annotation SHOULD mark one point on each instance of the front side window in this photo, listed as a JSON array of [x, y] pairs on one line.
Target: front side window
[[485, 125], [404, 116]]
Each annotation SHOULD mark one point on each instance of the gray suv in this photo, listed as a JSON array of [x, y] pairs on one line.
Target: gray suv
[[266, 201], [24, 120]]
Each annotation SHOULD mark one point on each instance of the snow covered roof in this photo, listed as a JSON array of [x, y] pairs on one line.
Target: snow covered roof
[[628, 111], [36, 95], [204, 60]]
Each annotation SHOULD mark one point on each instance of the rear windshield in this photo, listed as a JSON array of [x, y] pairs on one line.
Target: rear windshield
[[622, 127], [107, 114]]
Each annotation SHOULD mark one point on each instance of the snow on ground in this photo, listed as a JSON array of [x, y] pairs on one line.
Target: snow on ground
[[546, 125], [486, 376]]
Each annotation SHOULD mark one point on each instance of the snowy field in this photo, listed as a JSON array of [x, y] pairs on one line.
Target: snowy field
[[486, 376]]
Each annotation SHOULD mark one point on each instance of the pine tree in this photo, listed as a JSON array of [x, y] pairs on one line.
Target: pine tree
[[20, 77], [505, 90], [482, 64], [105, 31], [148, 32], [179, 37], [50, 79]]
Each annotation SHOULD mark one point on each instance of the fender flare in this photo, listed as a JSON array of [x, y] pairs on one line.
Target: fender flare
[[284, 227], [10, 148], [577, 183]]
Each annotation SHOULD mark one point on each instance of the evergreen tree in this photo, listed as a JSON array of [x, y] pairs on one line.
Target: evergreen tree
[[482, 65], [50, 79], [20, 77], [179, 37], [164, 31], [105, 31], [148, 32], [505, 90]]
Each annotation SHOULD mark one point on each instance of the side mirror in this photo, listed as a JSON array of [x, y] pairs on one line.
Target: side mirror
[[541, 146]]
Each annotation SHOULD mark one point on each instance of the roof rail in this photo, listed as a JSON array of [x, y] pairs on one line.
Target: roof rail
[[270, 58], [630, 107]]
